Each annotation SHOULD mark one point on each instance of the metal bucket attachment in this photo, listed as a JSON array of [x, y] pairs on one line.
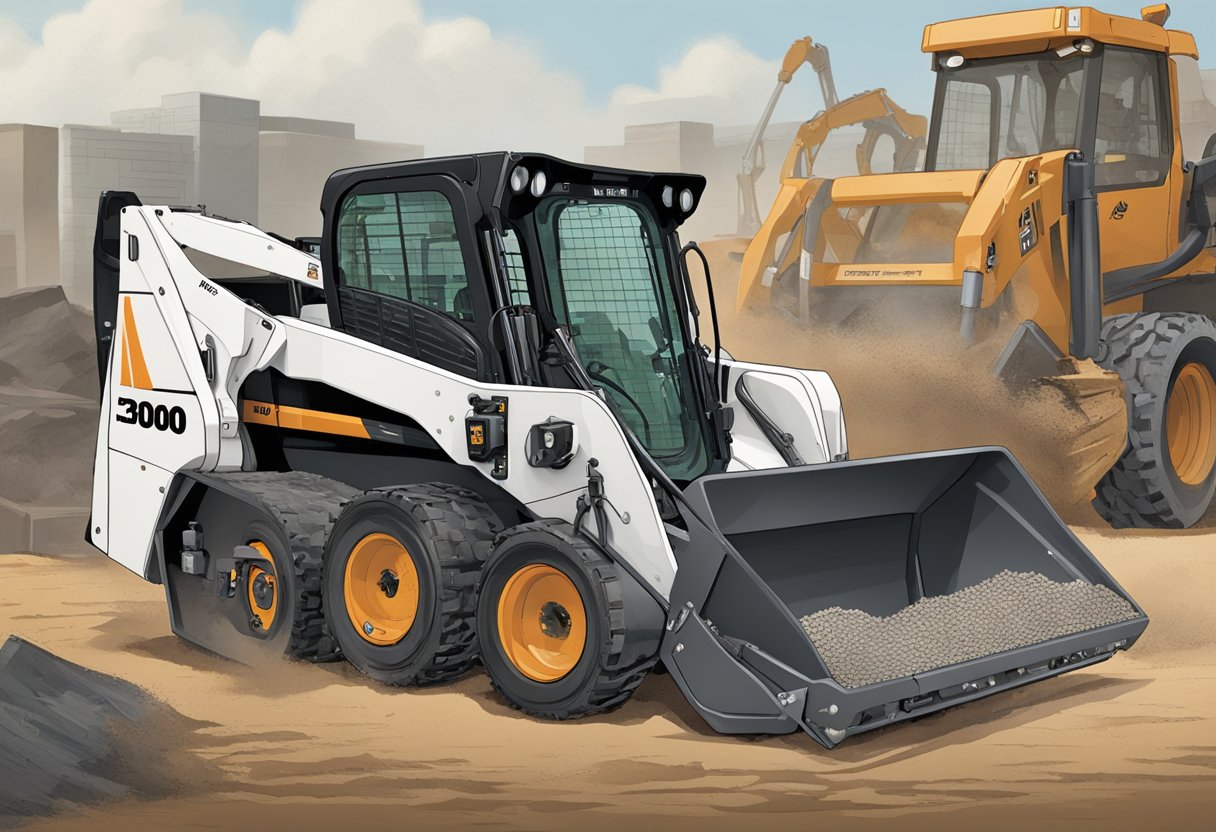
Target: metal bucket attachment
[[852, 595]]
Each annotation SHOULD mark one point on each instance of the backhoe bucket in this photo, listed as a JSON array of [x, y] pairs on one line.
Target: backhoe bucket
[[857, 594]]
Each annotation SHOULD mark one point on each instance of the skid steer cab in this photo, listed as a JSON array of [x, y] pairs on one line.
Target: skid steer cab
[[481, 424]]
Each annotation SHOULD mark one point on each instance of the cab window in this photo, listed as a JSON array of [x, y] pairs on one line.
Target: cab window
[[517, 274], [404, 245], [1009, 107], [608, 282], [1132, 145]]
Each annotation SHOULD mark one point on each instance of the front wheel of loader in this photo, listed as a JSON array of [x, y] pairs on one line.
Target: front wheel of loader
[[1167, 476], [401, 572], [564, 631]]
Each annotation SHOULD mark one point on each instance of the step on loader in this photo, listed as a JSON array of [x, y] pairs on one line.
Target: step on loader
[[1064, 217], [480, 423]]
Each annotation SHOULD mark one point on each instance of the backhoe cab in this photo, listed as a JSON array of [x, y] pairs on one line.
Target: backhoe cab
[[481, 425], [1056, 203]]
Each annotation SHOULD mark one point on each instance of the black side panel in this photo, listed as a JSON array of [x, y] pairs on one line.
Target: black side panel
[[411, 457], [411, 330], [106, 253], [1185, 294]]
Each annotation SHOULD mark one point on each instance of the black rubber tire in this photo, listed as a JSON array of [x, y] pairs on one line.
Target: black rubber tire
[[624, 624], [305, 507], [448, 532], [1142, 490]]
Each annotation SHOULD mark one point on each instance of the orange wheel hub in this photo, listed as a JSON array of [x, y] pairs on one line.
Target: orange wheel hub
[[1190, 418], [542, 623], [262, 590], [380, 587]]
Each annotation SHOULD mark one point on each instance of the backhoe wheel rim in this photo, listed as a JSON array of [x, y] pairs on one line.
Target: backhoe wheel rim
[[262, 590], [1190, 419], [542, 623], [380, 586]]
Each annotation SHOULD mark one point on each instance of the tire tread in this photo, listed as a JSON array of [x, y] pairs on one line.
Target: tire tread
[[1141, 348]]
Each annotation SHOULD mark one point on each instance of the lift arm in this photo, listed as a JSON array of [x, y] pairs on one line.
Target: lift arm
[[801, 51]]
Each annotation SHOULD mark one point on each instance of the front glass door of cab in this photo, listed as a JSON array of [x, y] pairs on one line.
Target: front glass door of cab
[[609, 283], [1138, 200]]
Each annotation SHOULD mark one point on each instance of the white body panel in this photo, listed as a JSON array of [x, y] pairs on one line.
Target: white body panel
[[179, 314], [439, 401], [803, 403]]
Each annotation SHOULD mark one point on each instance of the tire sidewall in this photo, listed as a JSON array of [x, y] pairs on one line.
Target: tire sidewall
[[1190, 501], [372, 515], [536, 547]]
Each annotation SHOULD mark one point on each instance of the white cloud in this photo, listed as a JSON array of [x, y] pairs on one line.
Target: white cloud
[[452, 85], [716, 80]]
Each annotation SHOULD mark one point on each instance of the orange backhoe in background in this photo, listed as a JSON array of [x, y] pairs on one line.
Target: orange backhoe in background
[[1058, 217]]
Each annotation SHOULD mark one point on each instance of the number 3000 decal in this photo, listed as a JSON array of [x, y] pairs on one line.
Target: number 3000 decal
[[147, 415]]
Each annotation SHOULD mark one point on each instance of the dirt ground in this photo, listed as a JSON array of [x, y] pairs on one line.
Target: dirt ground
[[1125, 744]]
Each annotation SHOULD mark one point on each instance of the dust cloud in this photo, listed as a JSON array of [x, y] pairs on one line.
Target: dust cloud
[[908, 384]]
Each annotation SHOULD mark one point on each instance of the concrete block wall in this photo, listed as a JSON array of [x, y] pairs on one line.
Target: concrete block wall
[[158, 167], [1196, 106], [29, 216], [225, 142], [8, 263], [297, 156]]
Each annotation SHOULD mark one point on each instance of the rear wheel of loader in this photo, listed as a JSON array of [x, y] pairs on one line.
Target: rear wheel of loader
[[564, 631], [1167, 476], [262, 590], [272, 601], [401, 572]]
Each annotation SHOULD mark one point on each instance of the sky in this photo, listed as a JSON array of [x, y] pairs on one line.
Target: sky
[[453, 74]]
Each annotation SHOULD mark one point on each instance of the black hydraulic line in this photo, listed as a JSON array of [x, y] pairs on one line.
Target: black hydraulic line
[[713, 310], [593, 501], [603, 379], [782, 441], [566, 348]]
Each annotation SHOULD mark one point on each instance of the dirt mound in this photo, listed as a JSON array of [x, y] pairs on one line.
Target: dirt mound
[[69, 735], [48, 399], [47, 343]]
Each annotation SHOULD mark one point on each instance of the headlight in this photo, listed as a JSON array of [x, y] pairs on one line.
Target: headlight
[[539, 181], [686, 200], [519, 179], [669, 196]]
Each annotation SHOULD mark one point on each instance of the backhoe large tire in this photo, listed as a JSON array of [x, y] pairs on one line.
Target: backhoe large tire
[[1167, 475], [401, 573], [564, 631]]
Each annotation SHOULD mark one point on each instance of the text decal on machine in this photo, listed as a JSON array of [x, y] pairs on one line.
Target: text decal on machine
[[147, 415]]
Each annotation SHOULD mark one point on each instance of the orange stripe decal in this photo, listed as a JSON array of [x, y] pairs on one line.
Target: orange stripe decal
[[134, 368], [126, 358], [298, 418]]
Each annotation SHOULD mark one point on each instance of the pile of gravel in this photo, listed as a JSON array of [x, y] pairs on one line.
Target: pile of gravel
[[1007, 611]]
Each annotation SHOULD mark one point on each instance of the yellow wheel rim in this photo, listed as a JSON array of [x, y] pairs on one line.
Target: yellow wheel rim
[[381, 589], [542, 624], [1190, 418], [262, 590]]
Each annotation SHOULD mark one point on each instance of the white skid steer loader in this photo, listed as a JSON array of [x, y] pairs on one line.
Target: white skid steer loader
[[476, 420]]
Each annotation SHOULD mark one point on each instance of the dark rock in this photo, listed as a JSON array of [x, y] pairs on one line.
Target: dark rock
[[69, 735]]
